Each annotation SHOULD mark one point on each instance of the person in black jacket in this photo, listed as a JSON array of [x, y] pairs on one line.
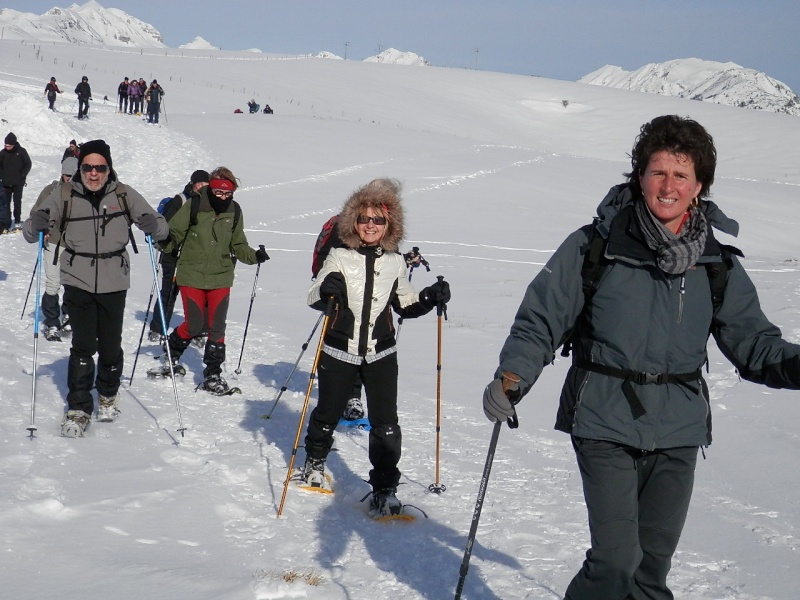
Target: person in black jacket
[[71, 150], [15, 164], [51, 89], [169, 287], [122, 92], [84, 93], [154, 94]]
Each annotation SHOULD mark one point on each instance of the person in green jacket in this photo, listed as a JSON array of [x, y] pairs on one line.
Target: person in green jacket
[[210, 243], [634, 401]]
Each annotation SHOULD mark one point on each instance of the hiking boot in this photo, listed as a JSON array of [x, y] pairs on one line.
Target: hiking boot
[[74, 424], [154, 336], [51, 334], [384, 503], [66, 326], [216, 385], [314, 472], [354, 410], [107, 410], [199, 341]]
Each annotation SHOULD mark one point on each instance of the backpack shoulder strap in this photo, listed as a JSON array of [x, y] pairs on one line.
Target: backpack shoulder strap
[[122, 195], [718, 274], [594, 264], [237, 214], [195, 208]]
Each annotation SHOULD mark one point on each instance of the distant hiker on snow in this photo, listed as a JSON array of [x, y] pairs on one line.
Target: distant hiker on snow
[[93, 215], [15, 164], [254, 107], [212, 220], [154, 94], [71, 150], [51, 89], [169, 260], [267, 109], [55, 316], [134, 97], [122, 92], [365, 280], [84, 93], [635, 295]]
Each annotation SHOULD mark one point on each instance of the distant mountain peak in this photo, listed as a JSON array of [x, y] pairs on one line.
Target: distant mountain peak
[[88, 23], [199, 43], [709, 81], [396, 57]]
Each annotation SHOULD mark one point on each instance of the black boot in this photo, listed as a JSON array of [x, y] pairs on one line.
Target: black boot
[[213, 358]]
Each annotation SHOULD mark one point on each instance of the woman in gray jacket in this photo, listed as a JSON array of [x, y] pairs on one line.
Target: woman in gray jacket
[[634, 400], [93, 215]]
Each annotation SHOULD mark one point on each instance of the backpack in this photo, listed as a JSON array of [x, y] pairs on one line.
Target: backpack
[[595, 263], [326, 240]]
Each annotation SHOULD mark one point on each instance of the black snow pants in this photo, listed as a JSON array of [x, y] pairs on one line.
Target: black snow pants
[[336, 379], [637, 503]]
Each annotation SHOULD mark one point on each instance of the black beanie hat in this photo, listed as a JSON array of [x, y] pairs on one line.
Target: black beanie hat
[[11, 138], [199, 176], [96, 147]]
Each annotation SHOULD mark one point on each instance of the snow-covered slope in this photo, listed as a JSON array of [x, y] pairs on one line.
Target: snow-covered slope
[[497, 170], [709, 81]]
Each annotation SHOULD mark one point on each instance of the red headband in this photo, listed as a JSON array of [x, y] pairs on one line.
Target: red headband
[[222, 184]]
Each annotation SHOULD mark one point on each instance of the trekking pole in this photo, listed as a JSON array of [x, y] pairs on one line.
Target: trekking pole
[[30, 285], [141, 335], [157, 290], [513, 423], [163, 104], [328, 313], [441, 309], [286, 385], [238, 370], [32, 426]]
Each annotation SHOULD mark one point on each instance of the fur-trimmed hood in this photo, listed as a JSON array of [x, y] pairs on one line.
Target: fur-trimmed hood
[[383, 195]]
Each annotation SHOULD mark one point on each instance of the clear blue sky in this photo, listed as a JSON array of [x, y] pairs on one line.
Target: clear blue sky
[[562, 39]]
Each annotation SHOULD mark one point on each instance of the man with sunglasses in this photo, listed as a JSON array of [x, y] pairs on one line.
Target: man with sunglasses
[[93, 215]]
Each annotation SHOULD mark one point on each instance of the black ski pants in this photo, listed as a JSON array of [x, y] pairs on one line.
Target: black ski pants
[[336, 379], [169, 293], [14, 196], [637, 503], [96, 321]]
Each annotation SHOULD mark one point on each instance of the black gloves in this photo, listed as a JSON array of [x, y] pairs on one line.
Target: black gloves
[[148, 223], [499, 399], [333, 285], [40, 221], [261, 255], [436, 294]]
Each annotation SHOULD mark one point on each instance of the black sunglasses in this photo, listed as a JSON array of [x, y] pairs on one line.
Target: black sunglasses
[[87, 168], [364, 219]]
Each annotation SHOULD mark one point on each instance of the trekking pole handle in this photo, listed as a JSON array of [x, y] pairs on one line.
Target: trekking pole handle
[[261, 247], [441, 307]]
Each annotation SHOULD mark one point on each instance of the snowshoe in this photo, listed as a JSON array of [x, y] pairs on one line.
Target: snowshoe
[[314, 472], [74, 424], [162, 371], [107, 411], [51, 334], [215, 384], [354, 410]]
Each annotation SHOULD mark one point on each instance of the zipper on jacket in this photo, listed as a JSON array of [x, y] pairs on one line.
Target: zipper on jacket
[[681, 296]]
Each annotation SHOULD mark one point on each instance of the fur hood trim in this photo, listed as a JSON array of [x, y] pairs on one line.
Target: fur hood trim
[[383, 195]]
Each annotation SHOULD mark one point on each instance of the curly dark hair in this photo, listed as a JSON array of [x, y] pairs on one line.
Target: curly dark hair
[[677, 135]]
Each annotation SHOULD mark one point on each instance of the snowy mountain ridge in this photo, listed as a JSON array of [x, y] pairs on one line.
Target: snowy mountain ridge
[[708, 81], [89, 23]]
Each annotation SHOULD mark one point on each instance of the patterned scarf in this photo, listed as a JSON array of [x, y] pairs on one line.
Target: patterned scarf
[[674, 253]]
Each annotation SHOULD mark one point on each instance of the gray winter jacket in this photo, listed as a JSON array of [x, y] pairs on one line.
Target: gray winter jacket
[[643, 320], [93, 251]]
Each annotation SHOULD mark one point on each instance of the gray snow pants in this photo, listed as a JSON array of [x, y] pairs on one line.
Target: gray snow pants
[[637, 503]]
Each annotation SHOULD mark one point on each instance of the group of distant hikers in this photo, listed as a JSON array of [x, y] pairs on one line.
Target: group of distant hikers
[[255, 107], [134, 96]]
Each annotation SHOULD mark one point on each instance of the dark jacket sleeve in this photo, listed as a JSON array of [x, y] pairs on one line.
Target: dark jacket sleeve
[[26, 163], [749, 340], [548, 311]]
